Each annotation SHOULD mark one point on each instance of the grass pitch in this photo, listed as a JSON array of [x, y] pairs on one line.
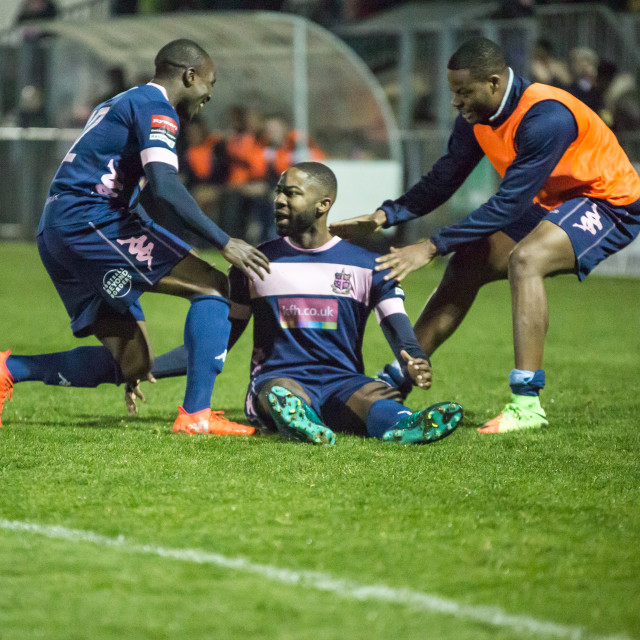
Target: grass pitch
[[160, 536]]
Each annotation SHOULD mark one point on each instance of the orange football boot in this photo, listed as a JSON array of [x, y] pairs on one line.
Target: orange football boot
[[6, 381], [209, 422]]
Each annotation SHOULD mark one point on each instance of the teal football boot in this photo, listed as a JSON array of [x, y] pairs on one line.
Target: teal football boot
[[429, 425], [296, 420]]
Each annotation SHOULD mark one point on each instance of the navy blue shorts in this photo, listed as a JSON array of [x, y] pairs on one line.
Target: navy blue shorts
[[596, 228], [100, 270], [328, 396]]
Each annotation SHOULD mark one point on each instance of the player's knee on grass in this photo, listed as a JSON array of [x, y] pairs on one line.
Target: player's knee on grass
[[262, 406]]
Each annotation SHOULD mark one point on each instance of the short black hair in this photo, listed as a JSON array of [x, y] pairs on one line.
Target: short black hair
[[481, 56], [178, 55], [322, 175]]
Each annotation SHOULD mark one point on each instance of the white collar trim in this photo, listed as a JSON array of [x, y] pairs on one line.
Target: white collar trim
[[504, 98], [327, 245], [160, 87]]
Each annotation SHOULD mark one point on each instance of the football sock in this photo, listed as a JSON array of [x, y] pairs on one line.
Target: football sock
[[384, 415], [526, 383], [171, 364], [80, 367], [206, 335]]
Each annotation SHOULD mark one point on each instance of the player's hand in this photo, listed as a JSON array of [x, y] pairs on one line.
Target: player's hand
[[419, 370], [132, 393], [247, 258], [359, 227], [407, 259]]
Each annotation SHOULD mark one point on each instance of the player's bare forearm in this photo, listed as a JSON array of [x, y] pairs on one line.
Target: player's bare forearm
[[247, 258], [360, 226], [401, 262]]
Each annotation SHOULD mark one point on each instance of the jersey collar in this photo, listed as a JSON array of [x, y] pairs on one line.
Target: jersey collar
[[327, 245], [160, 87], [515, 88], [505, 97]]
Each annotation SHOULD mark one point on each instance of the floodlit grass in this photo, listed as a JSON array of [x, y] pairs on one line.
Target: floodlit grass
[[541, 525]]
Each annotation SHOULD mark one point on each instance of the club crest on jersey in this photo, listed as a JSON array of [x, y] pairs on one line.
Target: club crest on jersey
[[165, 129], [342, 283]]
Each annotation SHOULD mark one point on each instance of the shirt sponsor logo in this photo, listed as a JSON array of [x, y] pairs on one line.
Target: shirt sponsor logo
[[342, 283], [308, 313], [117, 283], [164, 129]]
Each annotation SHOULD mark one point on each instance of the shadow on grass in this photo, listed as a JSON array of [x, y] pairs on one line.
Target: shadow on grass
[[161, 422], [471, 420]]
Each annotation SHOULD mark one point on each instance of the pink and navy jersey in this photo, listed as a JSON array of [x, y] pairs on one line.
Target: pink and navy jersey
[[310, 312], [100, 176]]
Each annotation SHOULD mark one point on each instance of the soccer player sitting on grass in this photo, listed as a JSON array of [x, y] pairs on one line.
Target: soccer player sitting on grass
[[102, 252], [309, 314]]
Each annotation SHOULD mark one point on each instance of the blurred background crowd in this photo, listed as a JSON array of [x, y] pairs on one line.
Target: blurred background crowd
[[231, 159]]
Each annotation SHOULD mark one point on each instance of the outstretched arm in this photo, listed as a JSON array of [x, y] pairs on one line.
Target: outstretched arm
[[432, 190], [171, 195]]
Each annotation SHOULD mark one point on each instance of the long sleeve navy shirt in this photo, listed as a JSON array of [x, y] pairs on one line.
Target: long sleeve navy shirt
[[545, 132]]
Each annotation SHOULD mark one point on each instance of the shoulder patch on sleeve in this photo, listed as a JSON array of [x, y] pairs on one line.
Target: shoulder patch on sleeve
[[164, 129]]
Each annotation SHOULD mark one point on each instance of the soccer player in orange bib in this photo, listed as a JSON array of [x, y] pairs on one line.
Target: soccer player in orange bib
[[569, 198]]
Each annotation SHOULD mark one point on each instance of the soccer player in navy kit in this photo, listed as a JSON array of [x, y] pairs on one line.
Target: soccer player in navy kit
[[102, 251], [310, 312]]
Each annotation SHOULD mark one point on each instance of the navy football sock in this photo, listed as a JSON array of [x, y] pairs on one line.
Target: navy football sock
[[384, 415], [526, 383], [80, 367], [206, 335], [171, 364]]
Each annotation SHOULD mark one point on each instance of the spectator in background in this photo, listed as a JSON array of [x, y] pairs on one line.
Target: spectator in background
[[31, 107], [243, 207], [258, 150], [583, 64], [282, 147], [36, 10], [620, 98], [116, 83], [205, 166], [35, 50], [546, 67]]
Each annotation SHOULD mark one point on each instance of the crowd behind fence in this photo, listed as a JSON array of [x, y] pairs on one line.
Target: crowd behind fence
[[587, 49]]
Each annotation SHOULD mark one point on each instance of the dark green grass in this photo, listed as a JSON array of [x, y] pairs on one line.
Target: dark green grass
[[544, 525]]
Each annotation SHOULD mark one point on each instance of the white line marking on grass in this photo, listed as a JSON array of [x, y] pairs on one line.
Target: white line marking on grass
[[322, 582]]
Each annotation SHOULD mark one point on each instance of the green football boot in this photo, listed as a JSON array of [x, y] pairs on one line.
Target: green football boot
[[431, 424], [521, 414], [296, 420]]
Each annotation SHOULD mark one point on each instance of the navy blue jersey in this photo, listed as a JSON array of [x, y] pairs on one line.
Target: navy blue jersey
[[101, 174], [310, 312]]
